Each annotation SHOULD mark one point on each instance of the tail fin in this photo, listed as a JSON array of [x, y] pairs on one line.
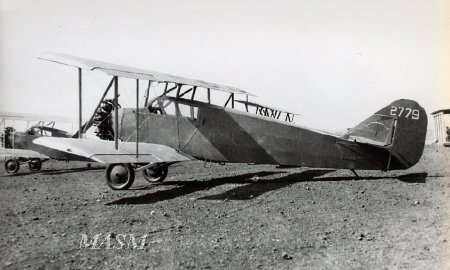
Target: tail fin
[[400, 128]]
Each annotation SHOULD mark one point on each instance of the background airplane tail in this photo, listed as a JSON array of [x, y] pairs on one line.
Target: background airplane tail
[[400, 128]]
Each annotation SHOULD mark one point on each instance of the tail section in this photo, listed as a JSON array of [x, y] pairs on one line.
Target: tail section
[[400, 128]]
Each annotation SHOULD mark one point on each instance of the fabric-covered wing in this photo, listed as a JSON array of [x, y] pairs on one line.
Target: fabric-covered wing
[[34, 117], [134, 73], [15, 153], [104, 151]]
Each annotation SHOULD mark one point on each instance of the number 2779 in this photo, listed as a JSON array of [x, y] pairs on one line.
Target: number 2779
[[405, 112]]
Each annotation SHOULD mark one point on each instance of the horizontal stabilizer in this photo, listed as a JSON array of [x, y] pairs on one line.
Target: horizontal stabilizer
[[376, 130], [105, 152]]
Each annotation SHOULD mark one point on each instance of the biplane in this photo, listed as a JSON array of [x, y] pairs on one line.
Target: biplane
[[17, 147], [184, 123]]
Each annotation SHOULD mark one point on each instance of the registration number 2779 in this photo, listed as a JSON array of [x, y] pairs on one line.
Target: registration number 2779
[[405, 112]]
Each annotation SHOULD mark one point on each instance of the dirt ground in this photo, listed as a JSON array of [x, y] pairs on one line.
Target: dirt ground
[[234, 216]]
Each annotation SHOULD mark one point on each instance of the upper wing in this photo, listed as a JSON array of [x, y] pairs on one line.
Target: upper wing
[[105, 152], [34, 117], [134, 73]]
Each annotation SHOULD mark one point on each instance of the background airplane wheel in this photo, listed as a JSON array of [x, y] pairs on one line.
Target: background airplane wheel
[[35, 165], [12, 166], [119, 176], [155, 175]]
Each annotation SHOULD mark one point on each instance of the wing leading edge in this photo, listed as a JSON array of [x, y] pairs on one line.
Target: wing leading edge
[[104, 151]]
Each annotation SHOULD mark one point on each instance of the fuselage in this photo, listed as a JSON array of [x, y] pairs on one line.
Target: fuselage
[[214, 133]]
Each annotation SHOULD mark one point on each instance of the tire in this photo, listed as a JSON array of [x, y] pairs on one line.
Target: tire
[[155, 175], [119, 176], [12, 166], [35, 165]]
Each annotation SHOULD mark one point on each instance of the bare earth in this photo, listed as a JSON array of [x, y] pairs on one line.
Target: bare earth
[[237, 216]]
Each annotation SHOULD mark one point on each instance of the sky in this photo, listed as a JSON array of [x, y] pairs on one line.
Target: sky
[[335, 62]]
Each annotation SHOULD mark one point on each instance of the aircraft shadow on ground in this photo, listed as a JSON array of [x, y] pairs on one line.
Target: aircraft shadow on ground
[[250, 188], [187, 187], [407, 178], [413, 178], [250, 191], [54, 171]]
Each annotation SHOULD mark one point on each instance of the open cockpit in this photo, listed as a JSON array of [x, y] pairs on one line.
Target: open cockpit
[[183, 100]]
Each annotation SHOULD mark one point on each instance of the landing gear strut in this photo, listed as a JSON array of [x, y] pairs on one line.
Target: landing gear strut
[[354, 172]]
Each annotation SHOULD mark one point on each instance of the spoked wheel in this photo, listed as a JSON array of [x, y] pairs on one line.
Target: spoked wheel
[[35, 165], [154, 175], [12, 166], [119, 176]]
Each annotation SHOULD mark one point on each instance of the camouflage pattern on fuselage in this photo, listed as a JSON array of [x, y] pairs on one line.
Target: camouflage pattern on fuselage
[[228, 135]]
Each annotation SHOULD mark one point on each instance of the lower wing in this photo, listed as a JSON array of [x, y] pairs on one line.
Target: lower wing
[[20, 153], [105, 152]]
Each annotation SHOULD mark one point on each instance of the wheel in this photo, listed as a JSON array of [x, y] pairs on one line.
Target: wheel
[[119, 176], [155, 175], [12, 166], [35, 165]]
